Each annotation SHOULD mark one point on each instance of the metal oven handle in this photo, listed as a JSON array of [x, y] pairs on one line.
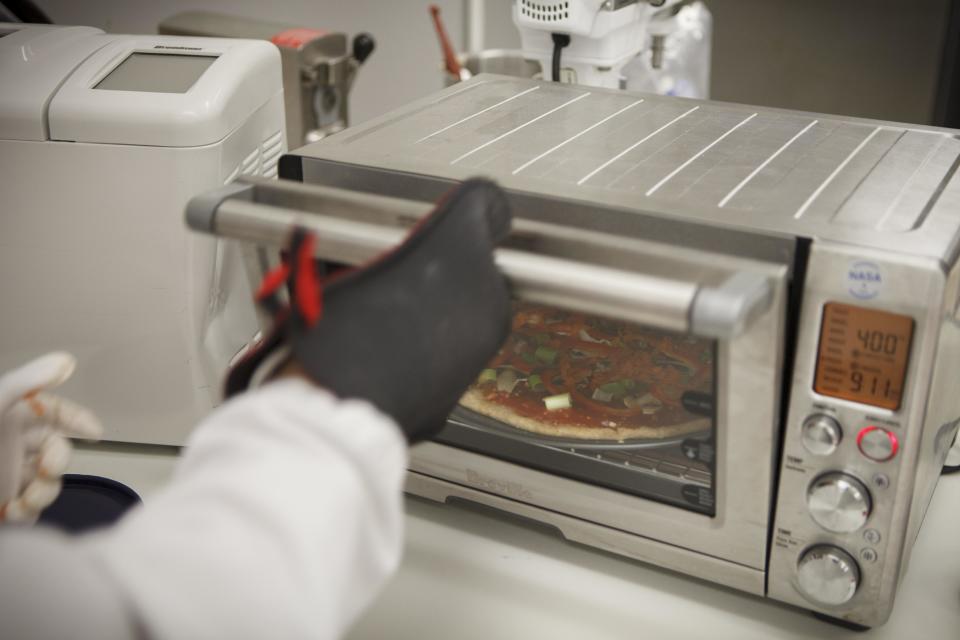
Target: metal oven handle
[[721, 312]]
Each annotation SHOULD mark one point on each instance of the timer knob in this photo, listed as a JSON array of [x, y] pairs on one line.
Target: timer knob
[[838, 502], [828, 575], [821, 434]]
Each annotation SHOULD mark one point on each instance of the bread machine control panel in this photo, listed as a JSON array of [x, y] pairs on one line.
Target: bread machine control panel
[[842, 453]]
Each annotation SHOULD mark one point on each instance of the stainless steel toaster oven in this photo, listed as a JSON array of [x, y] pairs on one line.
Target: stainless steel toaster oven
[[736, 336]]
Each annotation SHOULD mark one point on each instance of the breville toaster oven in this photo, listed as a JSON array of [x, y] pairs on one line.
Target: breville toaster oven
[[735, 340]]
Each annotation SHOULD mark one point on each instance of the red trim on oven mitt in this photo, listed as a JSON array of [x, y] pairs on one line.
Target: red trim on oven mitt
[[408, 331]]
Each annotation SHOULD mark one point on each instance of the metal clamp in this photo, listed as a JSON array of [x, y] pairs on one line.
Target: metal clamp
[[249, 211]]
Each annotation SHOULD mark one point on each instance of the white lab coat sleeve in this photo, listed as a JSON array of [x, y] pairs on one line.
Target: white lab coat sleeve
[[283, 520]]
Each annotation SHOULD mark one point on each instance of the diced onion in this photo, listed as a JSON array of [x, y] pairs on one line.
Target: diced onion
[[561, 401], [507, 380], [487, 375], [617, 389], [644, 401], [601, 395], [586, 337]]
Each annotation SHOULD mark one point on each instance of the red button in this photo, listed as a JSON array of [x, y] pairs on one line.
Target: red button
[[877, 443]]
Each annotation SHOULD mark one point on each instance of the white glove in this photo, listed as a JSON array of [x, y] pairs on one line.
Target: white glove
[[34, 427]]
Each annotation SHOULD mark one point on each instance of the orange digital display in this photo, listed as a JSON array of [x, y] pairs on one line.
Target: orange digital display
[[863, 355]]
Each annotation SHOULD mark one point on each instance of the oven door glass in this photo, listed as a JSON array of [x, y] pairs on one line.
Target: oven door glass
[[602, 401]]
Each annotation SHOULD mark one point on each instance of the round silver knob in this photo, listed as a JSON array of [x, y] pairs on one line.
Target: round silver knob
[[821, 434], [838, 502], [877, 443], [828, 575]]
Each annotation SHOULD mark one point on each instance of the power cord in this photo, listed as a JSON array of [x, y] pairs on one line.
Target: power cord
[[560, 40]]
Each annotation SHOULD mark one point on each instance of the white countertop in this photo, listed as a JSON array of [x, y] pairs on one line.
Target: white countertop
[[471, 574]]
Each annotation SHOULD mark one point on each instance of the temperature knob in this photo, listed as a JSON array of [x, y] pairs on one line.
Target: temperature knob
[[828, 575], [821, 434], [838, 502]]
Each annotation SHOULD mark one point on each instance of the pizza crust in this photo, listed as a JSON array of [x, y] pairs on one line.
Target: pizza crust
[[474, 400]]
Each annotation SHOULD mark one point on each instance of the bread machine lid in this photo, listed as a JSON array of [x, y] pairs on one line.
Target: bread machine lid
[[34, 62], [165, 91]]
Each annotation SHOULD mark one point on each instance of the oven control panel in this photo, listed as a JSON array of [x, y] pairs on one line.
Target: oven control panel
[[835, 506], [836, 543]]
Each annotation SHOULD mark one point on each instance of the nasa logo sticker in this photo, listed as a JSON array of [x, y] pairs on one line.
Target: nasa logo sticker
[[864, 280]]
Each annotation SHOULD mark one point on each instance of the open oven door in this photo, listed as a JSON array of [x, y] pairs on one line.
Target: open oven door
[[670, 359], [698, 342]]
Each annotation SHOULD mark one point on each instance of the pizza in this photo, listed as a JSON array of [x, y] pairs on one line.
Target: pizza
[[573, 375]]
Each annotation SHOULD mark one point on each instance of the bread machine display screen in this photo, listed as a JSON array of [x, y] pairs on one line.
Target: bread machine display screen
[[156, 73], [863, 355]]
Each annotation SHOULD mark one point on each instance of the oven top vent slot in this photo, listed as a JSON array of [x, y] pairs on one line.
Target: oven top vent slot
[[852, 180]]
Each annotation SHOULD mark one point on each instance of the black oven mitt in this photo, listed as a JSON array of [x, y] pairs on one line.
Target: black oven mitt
[[410, 330]]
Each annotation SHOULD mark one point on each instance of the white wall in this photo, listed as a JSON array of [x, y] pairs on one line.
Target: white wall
[[405, 66]]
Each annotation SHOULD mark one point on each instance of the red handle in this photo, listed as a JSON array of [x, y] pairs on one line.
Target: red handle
[[449, 55]]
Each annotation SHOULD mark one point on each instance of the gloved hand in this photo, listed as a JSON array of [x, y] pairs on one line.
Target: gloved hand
[[34, 427], [409, 331]]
